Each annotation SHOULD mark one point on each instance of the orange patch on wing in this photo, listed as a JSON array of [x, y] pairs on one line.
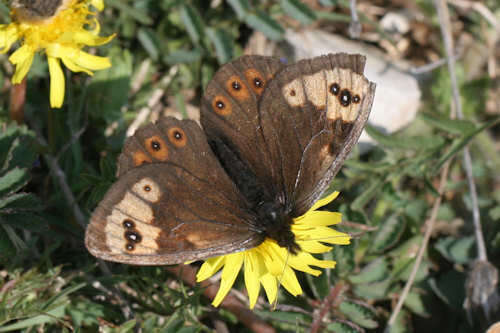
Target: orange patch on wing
[[177, 136], [221, 105], [157, 148], [140, 158], [256, 80], [236, 88]]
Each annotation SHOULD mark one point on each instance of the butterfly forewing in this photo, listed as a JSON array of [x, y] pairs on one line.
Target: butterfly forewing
[[229, 113], [311, 115], [172, 202], [308, 117]]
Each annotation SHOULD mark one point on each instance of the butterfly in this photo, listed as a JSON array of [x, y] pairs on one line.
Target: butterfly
[[36, 10], [273, 137]]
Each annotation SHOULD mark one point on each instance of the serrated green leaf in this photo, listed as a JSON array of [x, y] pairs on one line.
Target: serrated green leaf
[[376, 291], [403, 267], [222, 43], [264, 23], [454, 126], [402, 323], [344, 256], [22, 153], [343, 327], [193, 23], [13, 181], [415, 303], [494, 213], [388, 233], [298, 10], [376, 270], [460, 250], [359, 314]]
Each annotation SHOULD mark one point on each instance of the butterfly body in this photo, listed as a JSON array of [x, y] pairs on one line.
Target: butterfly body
[[271, 216], [273, 137]]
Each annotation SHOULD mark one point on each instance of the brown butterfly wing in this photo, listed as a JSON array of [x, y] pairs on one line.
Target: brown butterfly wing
[[297, 134], [229, 113], [312, 114], [172, 203]]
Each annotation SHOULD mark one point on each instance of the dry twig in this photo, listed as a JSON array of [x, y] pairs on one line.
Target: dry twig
[[445, 25], [326, 306]]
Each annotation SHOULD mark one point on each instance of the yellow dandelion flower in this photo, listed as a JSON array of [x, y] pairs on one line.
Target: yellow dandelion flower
[[269, 264], [60, 28]]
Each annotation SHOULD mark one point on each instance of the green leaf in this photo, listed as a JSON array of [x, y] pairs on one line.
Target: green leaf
[[266, 24], [449, 287], [7, 248], [241, 7], [368, 194], [460, 143], [299, 11], [403, 267], [405, 142], [193, 23], [375, 271], [49, 317], [375, 291], [183, 56], [359, 314], [415, 302], [460, 250], [388, 233], [453, 126], [20, 202], [22, 153], [106, 95], [149, 42], [26, 220], [137, 14], [13, 181], [343, 327], [222, 43]]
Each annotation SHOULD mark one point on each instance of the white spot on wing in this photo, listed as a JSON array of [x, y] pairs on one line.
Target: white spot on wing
[[147, 189]]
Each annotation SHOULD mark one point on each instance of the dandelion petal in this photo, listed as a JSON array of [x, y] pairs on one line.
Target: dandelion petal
[[229, 274], [56, 83]]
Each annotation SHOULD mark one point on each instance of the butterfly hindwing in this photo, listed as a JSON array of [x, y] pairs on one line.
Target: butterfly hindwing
[[172, 202]]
